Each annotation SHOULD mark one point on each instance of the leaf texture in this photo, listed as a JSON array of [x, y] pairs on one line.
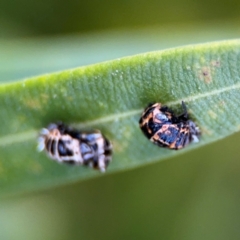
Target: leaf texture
[[110, 97]]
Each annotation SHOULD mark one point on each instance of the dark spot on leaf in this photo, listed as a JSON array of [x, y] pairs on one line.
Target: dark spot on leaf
[[212, 114], [205, 74], [215, 63]]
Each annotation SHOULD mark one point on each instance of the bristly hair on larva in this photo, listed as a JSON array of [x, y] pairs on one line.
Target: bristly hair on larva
[[67, 145]]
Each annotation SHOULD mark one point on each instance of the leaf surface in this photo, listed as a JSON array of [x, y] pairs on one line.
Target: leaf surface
[[110, 97]]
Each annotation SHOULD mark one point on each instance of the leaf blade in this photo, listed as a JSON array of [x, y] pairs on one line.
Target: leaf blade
[[110, 96]]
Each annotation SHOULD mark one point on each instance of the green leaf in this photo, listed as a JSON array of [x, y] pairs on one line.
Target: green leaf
[[110, 97]]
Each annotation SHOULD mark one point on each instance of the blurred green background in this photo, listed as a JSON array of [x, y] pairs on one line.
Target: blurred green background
[[192, 196]]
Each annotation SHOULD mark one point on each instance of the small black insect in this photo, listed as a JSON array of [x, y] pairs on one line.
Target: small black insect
[[68, 145], [162, 127]]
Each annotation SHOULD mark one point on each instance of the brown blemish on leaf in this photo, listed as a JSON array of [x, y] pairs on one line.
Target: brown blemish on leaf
[[36, 103], [32, 103], [215, 63], [212, 114], [44, 96], [238, 127], [118, 147], [205, 74], [189, 110], [205, 131], [221, 104]]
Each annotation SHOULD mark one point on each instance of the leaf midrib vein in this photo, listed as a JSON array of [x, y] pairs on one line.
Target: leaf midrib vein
[[31, 134]]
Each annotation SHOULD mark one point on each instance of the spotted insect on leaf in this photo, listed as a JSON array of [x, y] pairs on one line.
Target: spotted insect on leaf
[[165, 129], [68, 145]]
